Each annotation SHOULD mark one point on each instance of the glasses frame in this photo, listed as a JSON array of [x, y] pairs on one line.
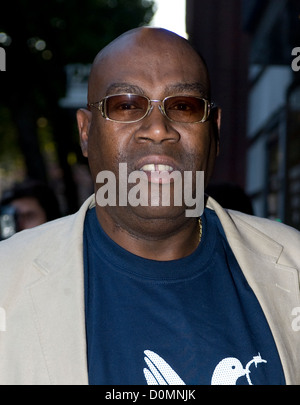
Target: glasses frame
[[101, 106]]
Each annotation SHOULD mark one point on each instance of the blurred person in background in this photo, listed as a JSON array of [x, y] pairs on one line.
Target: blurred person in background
[[26, 205]]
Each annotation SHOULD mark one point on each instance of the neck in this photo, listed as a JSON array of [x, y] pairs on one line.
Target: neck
[[157, 239]]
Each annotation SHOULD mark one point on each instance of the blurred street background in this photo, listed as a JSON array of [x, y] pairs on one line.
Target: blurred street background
[[248, 47]]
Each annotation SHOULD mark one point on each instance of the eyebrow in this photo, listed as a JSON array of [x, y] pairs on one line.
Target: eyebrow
[[197, 87], [124, 87], [188, 87]]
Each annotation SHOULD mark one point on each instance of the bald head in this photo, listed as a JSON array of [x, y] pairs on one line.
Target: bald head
[[158, 45]]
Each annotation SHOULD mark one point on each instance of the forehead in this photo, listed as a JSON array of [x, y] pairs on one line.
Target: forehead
[[154, 62]]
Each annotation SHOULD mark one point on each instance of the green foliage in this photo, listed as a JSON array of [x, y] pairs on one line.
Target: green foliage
[[73, 30], [8, 135], [46, 36]]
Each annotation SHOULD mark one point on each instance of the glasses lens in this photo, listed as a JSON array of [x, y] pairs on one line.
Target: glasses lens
[[185, 109], [126, 107]]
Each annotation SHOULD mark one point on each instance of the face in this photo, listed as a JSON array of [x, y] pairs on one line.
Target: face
[[157, 64], [29, 213]]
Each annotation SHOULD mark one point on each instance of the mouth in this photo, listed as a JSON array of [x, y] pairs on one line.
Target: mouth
[[159, 169], [156, 163], [152, 167]]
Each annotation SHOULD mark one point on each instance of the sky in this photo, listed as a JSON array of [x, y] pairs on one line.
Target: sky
[[170, 15]]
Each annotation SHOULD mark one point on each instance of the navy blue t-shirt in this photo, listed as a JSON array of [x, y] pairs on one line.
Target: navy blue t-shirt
[[190, 321]]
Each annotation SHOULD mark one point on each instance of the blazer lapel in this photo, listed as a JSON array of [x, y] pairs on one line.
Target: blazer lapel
[[276, 285], [58, 301], [59, 316]]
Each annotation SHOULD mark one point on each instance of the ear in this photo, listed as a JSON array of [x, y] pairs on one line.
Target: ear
[[84, 118]]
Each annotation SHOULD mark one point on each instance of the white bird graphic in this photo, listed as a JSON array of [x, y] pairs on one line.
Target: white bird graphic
[[229, 370], [159, 372]]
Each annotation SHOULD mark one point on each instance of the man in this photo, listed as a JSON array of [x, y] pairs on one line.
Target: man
[[144, 293]]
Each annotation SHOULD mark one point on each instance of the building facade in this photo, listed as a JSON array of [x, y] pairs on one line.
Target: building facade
[[252, 48], [273, 123], [214, 28]]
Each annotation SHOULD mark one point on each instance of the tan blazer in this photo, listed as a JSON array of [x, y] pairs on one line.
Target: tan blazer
[[42, 321]]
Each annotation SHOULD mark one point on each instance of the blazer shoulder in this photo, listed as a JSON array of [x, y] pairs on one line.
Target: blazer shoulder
[[27, 243], [278, 231], [287, 237], [261, 236], [28, 253], [18, 254]]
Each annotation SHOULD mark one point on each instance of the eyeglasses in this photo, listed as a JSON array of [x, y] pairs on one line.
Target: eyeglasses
[[129, 108]]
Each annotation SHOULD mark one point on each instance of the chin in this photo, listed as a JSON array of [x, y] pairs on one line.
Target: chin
[[158, 213]]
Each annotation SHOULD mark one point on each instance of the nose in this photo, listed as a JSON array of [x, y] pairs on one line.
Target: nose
[[156, 127]]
